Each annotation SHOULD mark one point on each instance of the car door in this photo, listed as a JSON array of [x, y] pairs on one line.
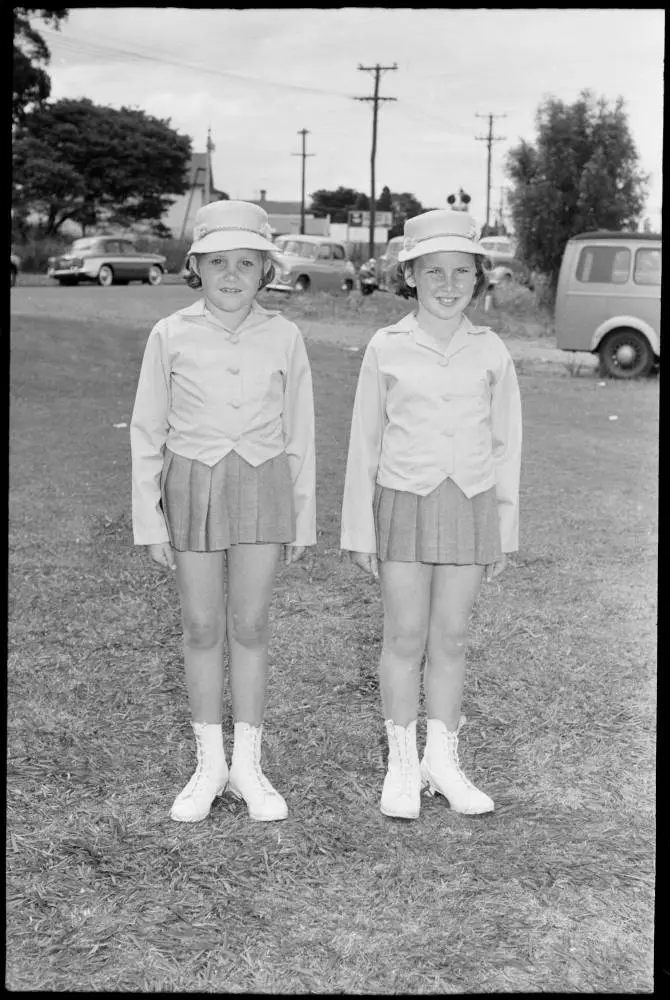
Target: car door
[[323, 268], [114, 258], [134, 267]]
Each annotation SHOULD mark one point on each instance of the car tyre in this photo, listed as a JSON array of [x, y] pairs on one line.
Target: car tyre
[[347, 285], [105, 276], [366, 289], [625, 353], [155, 275], [302, 284]]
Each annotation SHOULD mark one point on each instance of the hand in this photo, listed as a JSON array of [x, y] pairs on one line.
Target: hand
[[162, 554], [293, 553], [495, 569], [367, 561]]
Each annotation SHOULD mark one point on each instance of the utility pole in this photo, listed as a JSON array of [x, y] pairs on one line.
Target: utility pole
[[208, 167], [377, 70], [489, 140], [303, 132]]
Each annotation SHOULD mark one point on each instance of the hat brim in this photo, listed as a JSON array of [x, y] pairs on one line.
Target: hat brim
[[234, 239], [441, 243]]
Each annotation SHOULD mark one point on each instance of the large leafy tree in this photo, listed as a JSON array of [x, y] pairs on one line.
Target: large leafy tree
[[77, 160], [580, 174], [31, 82], [336, 203]]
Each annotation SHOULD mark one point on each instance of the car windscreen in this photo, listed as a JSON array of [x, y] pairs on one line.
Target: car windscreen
[[297, 248]]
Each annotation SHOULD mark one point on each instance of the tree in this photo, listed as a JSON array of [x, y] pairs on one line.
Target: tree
[[336, 204], [77, 160], [31, 83], [384, 201], [580, 175], [362, 203]]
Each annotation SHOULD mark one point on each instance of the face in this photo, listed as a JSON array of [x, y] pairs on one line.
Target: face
[[230, 278], [444, 282]]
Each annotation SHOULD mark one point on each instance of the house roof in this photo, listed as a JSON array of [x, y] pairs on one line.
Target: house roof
[[197, 172], [278, 207]]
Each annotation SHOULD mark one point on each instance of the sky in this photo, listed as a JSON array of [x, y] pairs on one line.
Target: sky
[[256, 76]]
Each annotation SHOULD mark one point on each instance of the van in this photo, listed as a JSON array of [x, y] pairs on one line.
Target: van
[[608, 300]]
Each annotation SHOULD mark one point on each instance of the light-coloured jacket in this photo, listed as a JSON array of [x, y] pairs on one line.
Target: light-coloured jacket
[[423, 413], [204, 391]]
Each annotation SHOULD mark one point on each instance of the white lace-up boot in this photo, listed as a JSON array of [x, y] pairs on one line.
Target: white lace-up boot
[[441, 771], [248, 782], [210, 777], [401, 792]]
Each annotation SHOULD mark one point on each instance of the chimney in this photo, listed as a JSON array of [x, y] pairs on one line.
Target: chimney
[[263, 193]]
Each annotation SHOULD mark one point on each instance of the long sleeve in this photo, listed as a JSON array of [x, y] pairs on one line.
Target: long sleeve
[[148, 432], [299, 437], [365, 443], [506, 434]]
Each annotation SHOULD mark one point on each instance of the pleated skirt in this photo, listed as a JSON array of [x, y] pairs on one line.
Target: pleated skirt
[[443, 527], [208, 508]]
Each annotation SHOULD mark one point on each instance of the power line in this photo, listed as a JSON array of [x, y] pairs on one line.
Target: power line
[[81, 44], [377, 70], [303, 132], [489, 140]]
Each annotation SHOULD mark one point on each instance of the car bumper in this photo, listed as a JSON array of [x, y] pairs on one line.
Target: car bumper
[[69, 272], [280, 286]]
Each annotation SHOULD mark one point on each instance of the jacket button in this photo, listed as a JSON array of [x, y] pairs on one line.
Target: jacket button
[[235, 403], [234, 371], [444, 362]]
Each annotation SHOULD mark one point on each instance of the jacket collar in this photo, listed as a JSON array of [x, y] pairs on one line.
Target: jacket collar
[[410, 326], [257, 314]]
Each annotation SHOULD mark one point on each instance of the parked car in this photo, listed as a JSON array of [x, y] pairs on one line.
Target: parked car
[[384, 274], [108, 260], [312, 263], [503, 263], [14, 268], [608, 300]]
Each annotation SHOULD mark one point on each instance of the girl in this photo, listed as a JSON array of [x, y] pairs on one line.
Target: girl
[[431, 497], [222, 440]]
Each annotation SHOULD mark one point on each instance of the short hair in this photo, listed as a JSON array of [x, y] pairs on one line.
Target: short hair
[[481, 279], [193, 279]]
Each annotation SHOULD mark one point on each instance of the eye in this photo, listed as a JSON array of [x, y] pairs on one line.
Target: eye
[[247, 263]]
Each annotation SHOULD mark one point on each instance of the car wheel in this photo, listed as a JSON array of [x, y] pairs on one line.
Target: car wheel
[[366, 289], [302, 283], [155, 275], [625, 354], [105, 276]]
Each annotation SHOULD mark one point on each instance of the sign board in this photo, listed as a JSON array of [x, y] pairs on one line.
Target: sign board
[[363, 219]]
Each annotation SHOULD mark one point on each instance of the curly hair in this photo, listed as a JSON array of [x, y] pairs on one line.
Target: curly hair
[[193, 280], [481, 280]]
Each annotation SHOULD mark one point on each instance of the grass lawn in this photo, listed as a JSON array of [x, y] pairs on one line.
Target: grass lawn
[[551, 893]]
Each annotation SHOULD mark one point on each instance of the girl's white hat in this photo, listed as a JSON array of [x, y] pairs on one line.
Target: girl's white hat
[[440, 229], [231, 225]]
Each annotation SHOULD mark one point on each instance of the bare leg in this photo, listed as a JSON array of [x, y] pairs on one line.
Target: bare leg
[[406, 597], [201, 586], [251, 575], [453, 595]]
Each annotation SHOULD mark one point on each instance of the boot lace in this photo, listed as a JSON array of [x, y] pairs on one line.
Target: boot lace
[[451, 740], [263, 782]]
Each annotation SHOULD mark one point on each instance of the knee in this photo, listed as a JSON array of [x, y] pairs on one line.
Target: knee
[[449, 640], [202, 633], [405, 643], [250, 630]]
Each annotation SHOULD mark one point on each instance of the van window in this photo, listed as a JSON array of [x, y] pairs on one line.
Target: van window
[[647, 267], [338, 252], [324, 252], [603, 265]]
